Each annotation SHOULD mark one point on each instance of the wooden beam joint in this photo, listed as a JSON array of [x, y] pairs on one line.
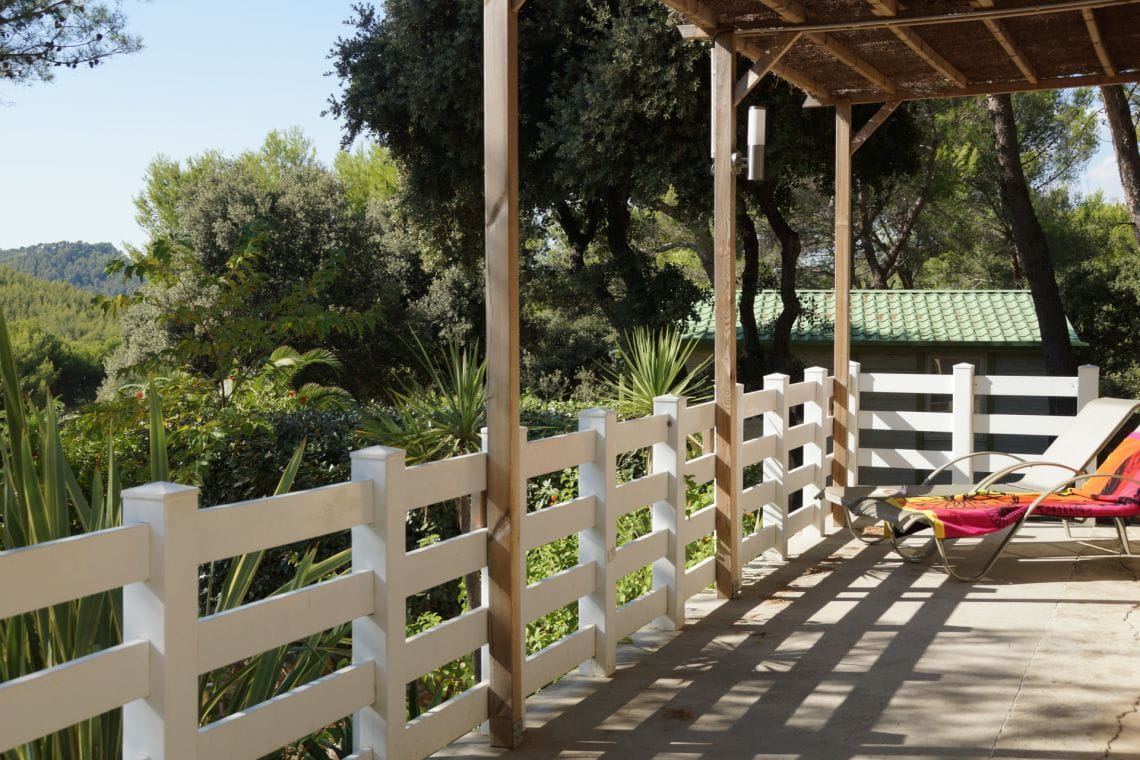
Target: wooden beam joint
[[875, 122]]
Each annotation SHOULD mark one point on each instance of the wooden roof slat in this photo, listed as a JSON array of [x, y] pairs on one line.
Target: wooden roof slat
[[1098, 41], [1005, 39], [842, 53], [884, 7]]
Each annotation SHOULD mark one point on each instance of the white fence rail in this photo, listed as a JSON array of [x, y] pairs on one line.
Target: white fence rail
[[155, 557]]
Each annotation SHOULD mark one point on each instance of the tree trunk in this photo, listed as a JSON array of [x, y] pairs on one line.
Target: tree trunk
[[1123, 131], [752, 362], [1029, 239], [579, 235], [789, 261], [628, 262]]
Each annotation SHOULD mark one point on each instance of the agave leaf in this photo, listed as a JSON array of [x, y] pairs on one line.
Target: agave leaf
[[159, 467]]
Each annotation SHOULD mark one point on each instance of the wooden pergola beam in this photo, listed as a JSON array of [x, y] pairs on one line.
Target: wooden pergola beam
[[932, 57], [997, 88], [789, 10], [1098, 41], [875, 122], [841, 350], [907, 20], [884, 7], [506, 503], [1005, 39], [755, 51], [761, 66], [703, 16], [729, 569], [845, 55]]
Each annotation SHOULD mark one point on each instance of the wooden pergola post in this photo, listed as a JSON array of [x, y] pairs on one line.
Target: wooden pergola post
[[840, 464], [729, 572], [504, 506]]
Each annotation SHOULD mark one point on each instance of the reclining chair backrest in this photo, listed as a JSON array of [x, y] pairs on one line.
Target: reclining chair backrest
[[1124, 460], [1078, 444]]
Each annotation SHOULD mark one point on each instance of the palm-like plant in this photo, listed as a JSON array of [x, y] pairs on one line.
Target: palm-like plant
[[652, 364]]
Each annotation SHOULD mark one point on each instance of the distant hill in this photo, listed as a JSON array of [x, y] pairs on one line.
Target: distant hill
[[55, 307], [76, 263]]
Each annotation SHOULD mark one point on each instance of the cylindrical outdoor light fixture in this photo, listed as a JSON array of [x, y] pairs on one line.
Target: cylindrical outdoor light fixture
[[757, 137]]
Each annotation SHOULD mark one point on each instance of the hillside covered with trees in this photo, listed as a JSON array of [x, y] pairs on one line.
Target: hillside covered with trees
[[76, 263]]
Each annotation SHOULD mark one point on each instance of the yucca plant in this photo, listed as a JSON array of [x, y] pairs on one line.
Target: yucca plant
[[41, 500], [651, 364]]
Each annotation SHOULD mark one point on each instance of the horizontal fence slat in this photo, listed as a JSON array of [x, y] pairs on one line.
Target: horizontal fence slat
[[758, 543], [755, 497], [72, 568], [800, 393], [927, 422], [558, 659], [364, 754], [802, 476], [699, 524], [1020, 424], [559, 452], [557, 521], [641, 432], [438, 646], [271, 725], [442, 725], [800, 435], [242, 632], [639, 552], [1015, 385], [699, 577], [802, 518], [897, 382], [642, 611], [249, 526], [443, 561], [640, 493], [44, 702], [697, 418], [758, 402], [903, 459], [755, 450], [431, 483], [560, 589], [701, 469]]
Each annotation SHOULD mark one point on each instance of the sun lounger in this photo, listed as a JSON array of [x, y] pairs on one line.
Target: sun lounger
[[956, 511]]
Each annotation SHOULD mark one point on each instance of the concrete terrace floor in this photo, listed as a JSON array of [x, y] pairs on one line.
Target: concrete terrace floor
[[848, 652]]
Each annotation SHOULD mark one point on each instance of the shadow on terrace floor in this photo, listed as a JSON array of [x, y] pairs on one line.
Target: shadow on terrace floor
[[847, 652]]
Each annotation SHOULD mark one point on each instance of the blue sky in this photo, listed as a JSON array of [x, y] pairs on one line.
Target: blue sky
[[213, 75]]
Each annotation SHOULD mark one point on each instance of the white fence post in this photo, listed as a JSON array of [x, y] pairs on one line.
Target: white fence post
[[377, 546], [776, 467], [814, 450], [598, 478], [1088, 384], [854, 395], [962, 437], [164, 610], [670, 456]]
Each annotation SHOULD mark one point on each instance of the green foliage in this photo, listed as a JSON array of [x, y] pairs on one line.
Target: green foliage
[[267, 248], [652, 364], [37, 36], [83, 265]]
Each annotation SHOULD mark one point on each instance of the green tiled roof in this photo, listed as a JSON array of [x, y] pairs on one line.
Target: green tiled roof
[[902, 318]]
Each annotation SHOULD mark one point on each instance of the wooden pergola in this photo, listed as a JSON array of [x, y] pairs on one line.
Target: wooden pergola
[[839, 52]]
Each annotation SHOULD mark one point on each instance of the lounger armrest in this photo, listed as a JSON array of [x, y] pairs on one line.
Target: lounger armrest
[[996, 476], [963, 458]]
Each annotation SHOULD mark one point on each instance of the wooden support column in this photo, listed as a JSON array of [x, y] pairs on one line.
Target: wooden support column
[[504, 507], [728, 522], [842, 340]]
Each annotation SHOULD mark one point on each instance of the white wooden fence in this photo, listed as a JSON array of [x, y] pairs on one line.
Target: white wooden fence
[[156, 557]]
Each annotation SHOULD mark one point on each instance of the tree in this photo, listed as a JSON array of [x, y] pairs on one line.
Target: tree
[[37, 36], [1121, 125], [1029, 239]]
